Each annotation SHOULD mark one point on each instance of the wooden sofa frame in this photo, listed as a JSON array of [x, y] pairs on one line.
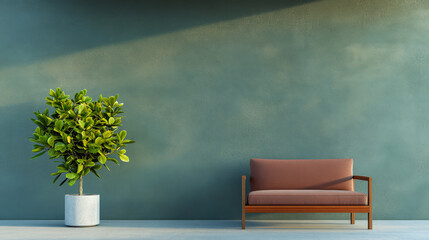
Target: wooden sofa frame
[[308, 209]]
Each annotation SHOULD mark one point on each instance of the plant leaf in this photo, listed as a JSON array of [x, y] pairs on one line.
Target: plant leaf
[[81, 124], [128, 141], [72, 175], [39, 123], [51, 141], [107, 134], [63, 182], [38, 155], [96, 167], [113, 160], [79, 168], [61, 167], [95, 172], [52, 93], [99, 141], [89, 164], [102, 159], [124, 158], [111, 120], [38, 149], [52, 153], [59, 125], [56, 178], [86, 171], [71, 182], [122, 135], [108, 169], [59, 146], [93, 148]]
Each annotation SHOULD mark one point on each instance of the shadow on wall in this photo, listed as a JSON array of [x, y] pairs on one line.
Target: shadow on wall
[[37, 30]]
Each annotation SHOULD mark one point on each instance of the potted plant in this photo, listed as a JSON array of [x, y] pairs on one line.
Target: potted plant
[[81, 135]]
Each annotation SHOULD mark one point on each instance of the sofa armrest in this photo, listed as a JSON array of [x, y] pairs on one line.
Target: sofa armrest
[[369, 180], [364, 178]]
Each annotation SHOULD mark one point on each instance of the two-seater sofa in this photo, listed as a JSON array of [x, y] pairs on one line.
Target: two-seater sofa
[[305, 186]]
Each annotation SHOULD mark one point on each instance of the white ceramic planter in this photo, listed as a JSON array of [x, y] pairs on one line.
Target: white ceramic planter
[[82, 210]]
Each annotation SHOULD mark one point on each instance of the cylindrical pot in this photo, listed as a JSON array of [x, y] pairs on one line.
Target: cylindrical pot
[[82, 210]]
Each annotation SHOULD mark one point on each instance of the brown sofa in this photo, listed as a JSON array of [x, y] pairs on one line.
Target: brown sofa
[[305, 186]]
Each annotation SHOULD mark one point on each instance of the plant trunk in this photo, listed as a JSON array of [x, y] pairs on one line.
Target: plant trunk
[[81, 185]]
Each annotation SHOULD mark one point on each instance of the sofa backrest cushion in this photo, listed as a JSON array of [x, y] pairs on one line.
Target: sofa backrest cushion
[[328, 174]]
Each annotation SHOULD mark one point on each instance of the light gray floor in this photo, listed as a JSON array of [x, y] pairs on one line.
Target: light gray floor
[[228, 229]]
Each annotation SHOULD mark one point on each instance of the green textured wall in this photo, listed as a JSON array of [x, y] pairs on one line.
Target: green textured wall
[[207, 86]]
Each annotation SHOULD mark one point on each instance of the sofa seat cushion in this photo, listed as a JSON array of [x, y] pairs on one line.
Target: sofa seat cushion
[[306, 197]]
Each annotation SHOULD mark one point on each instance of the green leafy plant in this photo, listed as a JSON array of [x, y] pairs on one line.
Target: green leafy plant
[[80, 132]]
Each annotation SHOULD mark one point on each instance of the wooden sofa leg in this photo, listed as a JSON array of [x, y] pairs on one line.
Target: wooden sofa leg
[[370, 220], [243, 202], [352, 218]]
